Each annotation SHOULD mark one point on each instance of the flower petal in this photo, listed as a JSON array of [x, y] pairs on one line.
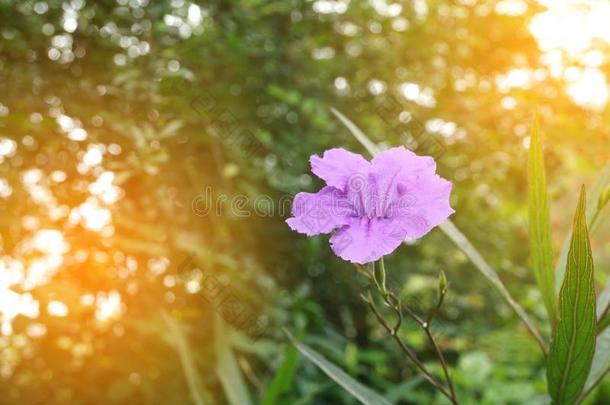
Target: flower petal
[[321, 212], [365, 240], [337, 166], [424, 204], [392, 166]]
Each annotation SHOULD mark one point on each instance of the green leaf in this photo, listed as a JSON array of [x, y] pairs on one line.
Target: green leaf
[[362, 393], [357, 133], [573, 342], [227, 368], [490, 274], [595, 218], [283, 378], [459, 239], [539, 225], [187, 359]]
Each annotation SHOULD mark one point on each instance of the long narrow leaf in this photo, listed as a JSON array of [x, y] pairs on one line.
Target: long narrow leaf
[[363, 394], [357, 133], [573, 342], [185, 354], [599, 186], [539, 224], [283, 378], [227, 368], [459, 239]]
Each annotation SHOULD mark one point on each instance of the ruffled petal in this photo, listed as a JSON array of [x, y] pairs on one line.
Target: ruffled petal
[[423, 204], [394, 165], [365, 240], [337, 165], [321, 212]]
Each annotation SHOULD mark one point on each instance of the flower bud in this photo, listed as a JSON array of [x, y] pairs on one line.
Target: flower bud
[[442, 283]]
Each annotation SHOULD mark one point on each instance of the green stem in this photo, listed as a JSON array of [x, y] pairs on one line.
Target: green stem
[[393, 302]]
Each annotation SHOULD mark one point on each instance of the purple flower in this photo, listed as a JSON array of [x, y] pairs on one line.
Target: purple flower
[[373, 205]]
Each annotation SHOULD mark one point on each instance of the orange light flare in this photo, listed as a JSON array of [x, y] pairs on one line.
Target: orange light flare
[[59, 237], [574, 36]]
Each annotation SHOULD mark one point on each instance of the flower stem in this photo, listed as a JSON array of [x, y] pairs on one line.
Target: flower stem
[[394, 302], [409, 353]]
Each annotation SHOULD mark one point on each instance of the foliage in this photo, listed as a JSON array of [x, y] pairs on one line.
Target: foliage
[[234, 99]]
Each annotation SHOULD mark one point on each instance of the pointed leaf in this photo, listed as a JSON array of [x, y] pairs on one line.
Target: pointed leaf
[[603, 181], [573, 342], [362, 393], [539, 224]]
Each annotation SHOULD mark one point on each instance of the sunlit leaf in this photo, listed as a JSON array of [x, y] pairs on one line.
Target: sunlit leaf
[[573, 342], [600, 185], [170, 129], [362, 393], [539, 224], [357, 133], [227, 367], [187, 361]]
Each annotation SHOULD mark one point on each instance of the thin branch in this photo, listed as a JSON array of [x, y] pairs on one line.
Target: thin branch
[[409, 353], [425, 325]]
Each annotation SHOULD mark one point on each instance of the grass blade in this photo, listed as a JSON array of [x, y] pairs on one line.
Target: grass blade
[[227, 368], [362, 393], [283, 378], [460, 240], [573, 343], [539, 225], [357, 133], [185, 354]]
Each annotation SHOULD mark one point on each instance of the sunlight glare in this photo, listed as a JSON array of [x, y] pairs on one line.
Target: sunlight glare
[[109, 306], [567, 34]]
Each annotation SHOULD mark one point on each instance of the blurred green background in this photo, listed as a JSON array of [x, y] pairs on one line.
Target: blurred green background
[[122, 122]]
